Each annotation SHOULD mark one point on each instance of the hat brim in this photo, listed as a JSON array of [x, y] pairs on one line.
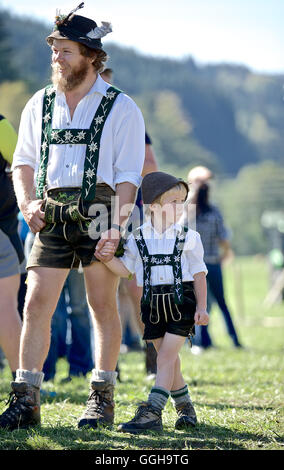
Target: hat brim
[[172, 185], [92, 43]]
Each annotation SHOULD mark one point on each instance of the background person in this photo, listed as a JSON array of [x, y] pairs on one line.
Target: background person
[[129, 293], [215, 240], [11, 251]]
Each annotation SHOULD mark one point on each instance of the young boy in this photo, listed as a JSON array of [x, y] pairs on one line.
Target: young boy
[[167, 259]]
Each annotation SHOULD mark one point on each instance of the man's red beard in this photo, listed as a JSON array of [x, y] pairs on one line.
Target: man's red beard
[[74, 78]]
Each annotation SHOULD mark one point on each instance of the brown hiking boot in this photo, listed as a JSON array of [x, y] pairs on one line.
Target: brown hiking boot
[[147, 418], [186, 416], [24, 407], [100, 405]]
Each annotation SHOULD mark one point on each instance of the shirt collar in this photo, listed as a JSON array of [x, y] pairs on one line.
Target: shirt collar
[[148, 228], [100, 86]]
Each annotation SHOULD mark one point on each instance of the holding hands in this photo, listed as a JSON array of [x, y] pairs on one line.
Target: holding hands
[[106, 249]]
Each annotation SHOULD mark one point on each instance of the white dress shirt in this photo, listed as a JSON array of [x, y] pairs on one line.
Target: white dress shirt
[[163, 243], [122, 149]]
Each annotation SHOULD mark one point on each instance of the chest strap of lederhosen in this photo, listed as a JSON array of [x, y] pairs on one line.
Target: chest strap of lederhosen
[[173, 260], [91, 137]]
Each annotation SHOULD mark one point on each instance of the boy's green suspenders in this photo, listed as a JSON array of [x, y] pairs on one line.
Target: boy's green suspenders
[[173, 260]]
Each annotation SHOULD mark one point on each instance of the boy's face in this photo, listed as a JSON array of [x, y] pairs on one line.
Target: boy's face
[[170, 208]]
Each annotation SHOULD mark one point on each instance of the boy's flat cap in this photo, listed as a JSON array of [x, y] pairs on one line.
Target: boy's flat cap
[[156, 183]]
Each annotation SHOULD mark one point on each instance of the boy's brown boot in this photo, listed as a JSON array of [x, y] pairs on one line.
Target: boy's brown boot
[[147, 418], [100, 405], [24, 407], [186, 415]]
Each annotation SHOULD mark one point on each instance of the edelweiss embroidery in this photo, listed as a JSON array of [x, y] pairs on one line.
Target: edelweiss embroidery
[[90, 137]]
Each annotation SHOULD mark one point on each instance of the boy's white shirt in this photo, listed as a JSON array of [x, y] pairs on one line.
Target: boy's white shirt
[[163, 243]]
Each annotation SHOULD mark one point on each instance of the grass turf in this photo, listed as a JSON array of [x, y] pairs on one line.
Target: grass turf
[[238, 394]]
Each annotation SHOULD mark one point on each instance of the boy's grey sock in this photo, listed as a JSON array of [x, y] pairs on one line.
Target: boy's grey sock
[[33, 378], [180, 396], [158, 397], [108, 376]]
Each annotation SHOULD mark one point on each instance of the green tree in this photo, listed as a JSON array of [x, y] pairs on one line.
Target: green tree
[[243, 200], [7, 71]]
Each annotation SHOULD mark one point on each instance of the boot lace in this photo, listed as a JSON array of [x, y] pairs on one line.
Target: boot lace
[[143, 410], [15, 409], [96, 402]]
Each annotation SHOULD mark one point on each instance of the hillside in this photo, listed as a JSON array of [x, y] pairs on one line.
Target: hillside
[[224, 116]]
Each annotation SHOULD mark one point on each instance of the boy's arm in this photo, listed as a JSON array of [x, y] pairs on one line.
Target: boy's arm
[[115, 264], [117, 267], [201, 316]]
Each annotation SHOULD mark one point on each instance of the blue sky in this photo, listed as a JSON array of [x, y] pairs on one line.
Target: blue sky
[[248, 32]]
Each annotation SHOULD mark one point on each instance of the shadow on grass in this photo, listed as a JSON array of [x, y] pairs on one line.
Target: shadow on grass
[[219, 406], [67, 438]]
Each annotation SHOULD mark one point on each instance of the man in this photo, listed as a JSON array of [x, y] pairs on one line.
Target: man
[[217, 248], [11, 251], [84, 143], [129, 293]]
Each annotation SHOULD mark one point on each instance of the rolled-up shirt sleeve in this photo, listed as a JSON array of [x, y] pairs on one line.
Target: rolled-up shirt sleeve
[[129, 146], [194, 252], [25, 152]]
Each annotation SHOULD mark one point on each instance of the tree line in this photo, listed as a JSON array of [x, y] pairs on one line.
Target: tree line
[[225, 117]]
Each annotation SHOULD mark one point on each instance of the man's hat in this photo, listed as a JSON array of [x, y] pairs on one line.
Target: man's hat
[[79, 29], [156, 183]]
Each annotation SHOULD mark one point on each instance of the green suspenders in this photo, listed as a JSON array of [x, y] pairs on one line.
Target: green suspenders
[[91, 137], [173, 260]]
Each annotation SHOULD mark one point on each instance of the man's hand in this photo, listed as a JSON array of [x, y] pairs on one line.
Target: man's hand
[[201, 317], [33, 215], [107, 245], [106, 251]]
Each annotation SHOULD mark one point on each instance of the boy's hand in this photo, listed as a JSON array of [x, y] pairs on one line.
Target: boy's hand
[[111, 236], [201, 317], [106, 252]]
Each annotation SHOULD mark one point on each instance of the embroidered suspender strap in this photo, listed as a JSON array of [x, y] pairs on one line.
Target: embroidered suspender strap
[[176, 263], [173, 260], [91, 137], [93, 146], [145, 257], [47, 110]]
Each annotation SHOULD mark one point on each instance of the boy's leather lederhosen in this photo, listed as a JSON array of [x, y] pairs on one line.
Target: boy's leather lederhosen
[[166, 307]]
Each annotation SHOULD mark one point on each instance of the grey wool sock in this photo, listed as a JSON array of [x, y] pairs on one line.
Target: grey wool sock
[[158, 397], [109, 376], [180, 396], [33, 378]]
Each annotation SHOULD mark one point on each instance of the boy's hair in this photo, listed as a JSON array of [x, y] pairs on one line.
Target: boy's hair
[[159, 198]]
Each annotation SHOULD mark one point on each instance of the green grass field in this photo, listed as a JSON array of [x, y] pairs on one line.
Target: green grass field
[[238, 394]]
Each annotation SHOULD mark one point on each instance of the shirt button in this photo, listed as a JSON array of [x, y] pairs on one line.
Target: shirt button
[[161, 278], [67, 166], [70, 145], [68, 123]]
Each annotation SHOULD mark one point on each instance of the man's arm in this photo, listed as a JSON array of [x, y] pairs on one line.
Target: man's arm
[[124, 203], [150, 163], [23, 179]]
